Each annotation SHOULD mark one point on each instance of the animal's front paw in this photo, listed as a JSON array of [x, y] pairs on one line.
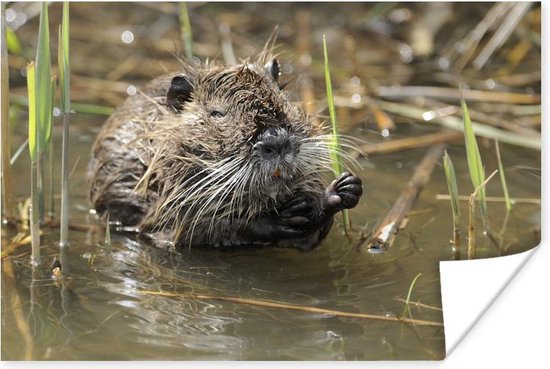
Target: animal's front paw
[[344, 192]]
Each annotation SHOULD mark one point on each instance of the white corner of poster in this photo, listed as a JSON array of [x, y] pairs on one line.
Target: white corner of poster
[[469, 288]]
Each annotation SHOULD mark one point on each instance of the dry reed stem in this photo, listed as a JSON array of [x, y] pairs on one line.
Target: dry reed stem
[[455, 123], [384, 234], [440, 107], [502, 34], [448, 93], [418, 304], [20, 239], [281, 305], [516, 200], [493, 16], [409, 143]]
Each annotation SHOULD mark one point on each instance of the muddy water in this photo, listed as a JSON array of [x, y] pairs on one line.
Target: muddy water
[[99, 311]]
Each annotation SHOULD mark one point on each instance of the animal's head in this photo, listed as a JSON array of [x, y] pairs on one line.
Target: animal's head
[[248, 117]]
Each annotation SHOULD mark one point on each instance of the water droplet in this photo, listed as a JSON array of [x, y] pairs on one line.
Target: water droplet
[[459, 47], [444, 63], [406, 53], [385, 132], [127, 37], [428, 115], [355, 81], [56, 112], [356, 98], [399, 165], [490, 83], [400, 15], [10, 15], [305, 59], [131, 90], [287, 68]]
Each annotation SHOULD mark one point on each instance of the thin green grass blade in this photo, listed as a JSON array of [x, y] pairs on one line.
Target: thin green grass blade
[[334, 144], [503, 179], [43, 81], [411, 287], [186, 33], [33, 128], [14, 46], [453, 188], [475, 165]]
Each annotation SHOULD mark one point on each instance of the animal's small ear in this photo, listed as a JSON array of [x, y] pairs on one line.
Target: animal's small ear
[[179, 92], [272, 68]]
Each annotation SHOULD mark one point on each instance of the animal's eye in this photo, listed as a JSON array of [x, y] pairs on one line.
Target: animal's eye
[[217, 114]]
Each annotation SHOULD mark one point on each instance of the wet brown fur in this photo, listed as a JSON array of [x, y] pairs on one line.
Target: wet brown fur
[[148, 161]]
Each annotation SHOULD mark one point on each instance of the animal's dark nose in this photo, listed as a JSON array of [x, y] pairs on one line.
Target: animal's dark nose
[[272, 142]]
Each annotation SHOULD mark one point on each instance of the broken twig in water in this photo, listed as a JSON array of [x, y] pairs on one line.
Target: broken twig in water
[[385, 233], [280, 305]]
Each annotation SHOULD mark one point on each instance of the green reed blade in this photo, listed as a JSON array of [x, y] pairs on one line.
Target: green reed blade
[[14, 46], [186, 32], [51, 102], [33, 148], [475, 165], [7, 193], [503, 179], [64, 61], [43, 81], [65, 87], [453, 188], [334, 144], [33, 128]]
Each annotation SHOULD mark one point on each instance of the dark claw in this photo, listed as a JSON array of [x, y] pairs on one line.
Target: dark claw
[[343, 176], [294, 209], [289, 232], [351, 188], [294, 221], [351, 179]]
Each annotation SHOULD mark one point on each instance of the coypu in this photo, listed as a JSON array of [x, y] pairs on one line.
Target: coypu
[[216, 156]]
